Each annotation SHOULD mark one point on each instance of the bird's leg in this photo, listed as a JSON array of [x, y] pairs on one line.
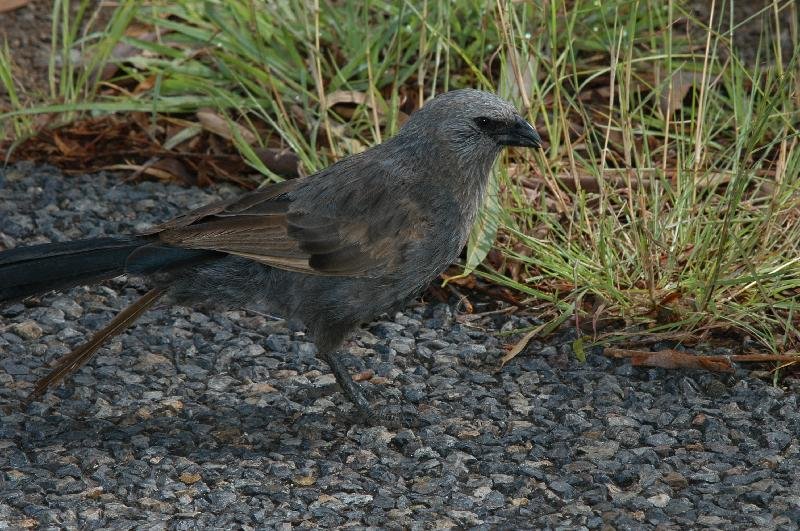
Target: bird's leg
[[351, 389], [387, 416]]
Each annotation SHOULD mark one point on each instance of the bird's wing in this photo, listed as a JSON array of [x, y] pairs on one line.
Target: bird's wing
[[235, 204], [272, 227]]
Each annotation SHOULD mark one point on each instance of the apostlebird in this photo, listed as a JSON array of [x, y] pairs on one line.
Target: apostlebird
[[333, 250]]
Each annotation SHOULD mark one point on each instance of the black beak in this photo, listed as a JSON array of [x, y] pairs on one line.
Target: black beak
[[521, 134]]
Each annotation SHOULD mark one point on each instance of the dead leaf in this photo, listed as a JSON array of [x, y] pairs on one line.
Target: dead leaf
[[10, 5], [145, 84], [174, 167], [219, 125], [163, 175], [352, 97], [675, 359], [467, 281], [519, 346], [680, 83], [340, 132], [346, 101], [465, 303], [284, 162], [66, 147]]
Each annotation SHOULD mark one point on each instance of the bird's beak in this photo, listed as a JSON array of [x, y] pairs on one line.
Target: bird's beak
[[520, 134]]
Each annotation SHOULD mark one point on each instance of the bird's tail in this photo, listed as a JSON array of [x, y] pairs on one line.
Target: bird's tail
[[36, 269], [32, 270], [27, 271]]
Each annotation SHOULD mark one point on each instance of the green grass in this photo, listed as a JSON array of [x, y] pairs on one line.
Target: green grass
[[668, 199]]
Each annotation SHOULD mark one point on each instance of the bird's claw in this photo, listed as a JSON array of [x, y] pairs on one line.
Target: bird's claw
[[392, 416], [389, 415]]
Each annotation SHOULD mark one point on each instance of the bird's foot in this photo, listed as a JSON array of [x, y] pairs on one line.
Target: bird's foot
[[393, 416]]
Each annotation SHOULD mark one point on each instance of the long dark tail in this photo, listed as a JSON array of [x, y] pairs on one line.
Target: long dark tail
[[27, 271], [33, 270]]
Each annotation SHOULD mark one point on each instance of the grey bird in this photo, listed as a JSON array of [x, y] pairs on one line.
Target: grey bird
[[331, 251]]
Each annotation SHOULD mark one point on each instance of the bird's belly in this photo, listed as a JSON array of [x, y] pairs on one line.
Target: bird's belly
[[313, 300], [350, 301]]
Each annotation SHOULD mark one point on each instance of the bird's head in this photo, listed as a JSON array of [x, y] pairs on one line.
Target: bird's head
[[457, 136], [473, 124]]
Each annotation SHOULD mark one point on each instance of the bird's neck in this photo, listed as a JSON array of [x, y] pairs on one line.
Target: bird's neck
[[462, 174], [474, 172]]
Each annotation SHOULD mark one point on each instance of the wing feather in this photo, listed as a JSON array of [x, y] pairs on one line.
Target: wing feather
[[272, 226]]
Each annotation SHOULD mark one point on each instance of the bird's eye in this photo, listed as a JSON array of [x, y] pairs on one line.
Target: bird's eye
[[488, 125]]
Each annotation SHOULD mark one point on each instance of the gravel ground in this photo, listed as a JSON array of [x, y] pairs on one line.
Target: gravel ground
[[197, 420]]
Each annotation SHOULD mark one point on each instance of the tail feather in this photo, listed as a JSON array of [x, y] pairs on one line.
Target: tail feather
[[78, 357], [33, 270]]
